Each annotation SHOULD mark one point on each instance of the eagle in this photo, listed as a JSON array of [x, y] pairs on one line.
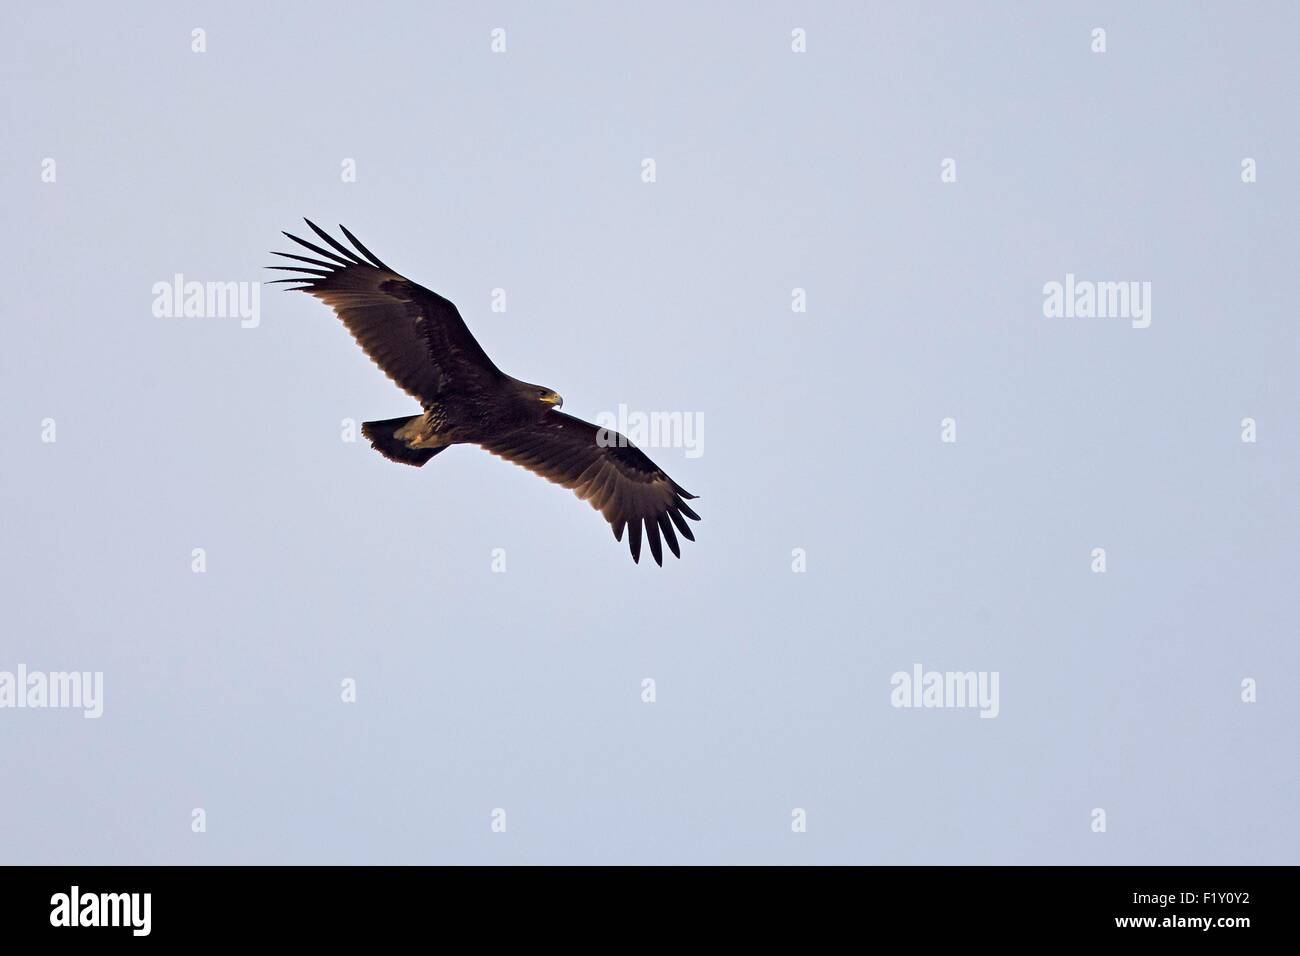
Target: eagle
[[419, 340]]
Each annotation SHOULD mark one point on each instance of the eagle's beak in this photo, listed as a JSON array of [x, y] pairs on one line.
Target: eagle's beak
[[551, 398]]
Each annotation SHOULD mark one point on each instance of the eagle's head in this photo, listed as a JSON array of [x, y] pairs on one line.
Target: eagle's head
[[543, 397]]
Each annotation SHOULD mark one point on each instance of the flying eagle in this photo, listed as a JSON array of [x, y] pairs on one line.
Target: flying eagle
[[420, 342]]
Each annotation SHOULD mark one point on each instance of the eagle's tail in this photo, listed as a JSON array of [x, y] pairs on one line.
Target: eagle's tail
[[383, 438]]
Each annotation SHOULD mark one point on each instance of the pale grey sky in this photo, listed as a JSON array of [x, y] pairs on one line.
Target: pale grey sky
[[775, 170]]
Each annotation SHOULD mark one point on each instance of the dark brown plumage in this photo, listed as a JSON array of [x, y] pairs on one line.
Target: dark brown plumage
[[420, 342]]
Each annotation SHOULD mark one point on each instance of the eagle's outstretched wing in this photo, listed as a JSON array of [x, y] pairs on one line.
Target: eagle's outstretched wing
[[415, 336], [603, 468]]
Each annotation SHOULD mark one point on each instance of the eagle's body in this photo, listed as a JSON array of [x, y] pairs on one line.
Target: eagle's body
[[420, 341]]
